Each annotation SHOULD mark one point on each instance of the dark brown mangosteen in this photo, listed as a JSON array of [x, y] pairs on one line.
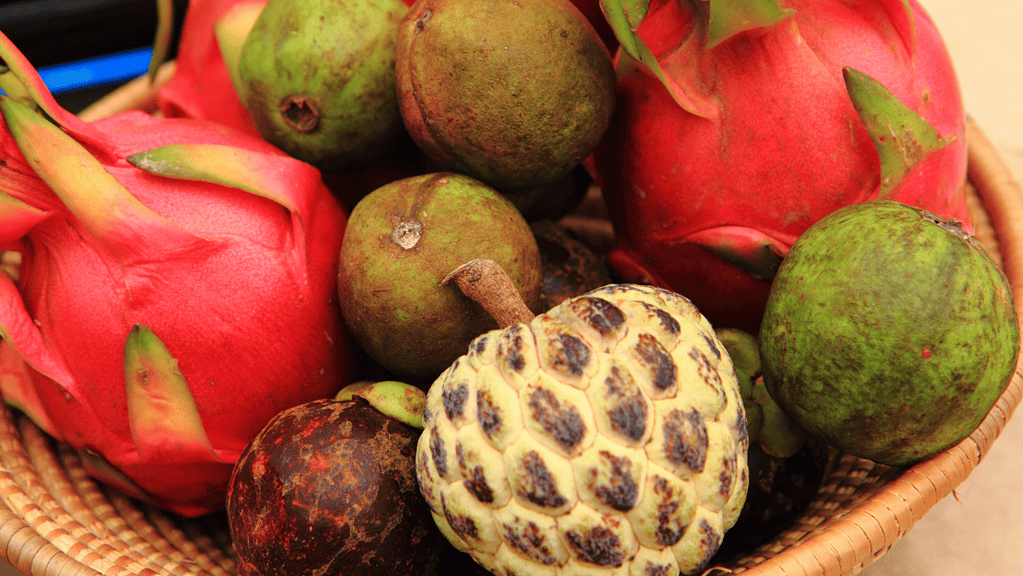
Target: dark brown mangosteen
[[569, 267], [328, 488], [780, 489]]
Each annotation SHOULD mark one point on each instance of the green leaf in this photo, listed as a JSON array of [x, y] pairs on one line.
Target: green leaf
[[635, 11], [164, 29], [253, 172], [901, 136], [15, 79], [21, 82], [12, 86], [398, 400], [96, 199], [624, 17], [162, 413], [730, 17]]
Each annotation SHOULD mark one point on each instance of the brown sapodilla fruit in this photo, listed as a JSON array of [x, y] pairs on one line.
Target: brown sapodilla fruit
[[512, 93]]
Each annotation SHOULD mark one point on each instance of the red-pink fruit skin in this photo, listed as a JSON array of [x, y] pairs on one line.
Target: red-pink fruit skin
[[201, 86], [258, 298], [786, 148]]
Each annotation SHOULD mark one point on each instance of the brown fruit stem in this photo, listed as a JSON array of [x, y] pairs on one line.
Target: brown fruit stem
[[485, 282]]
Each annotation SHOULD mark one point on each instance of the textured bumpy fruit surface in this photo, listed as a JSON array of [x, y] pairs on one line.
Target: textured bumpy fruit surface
[[608, 433], [889, 332]]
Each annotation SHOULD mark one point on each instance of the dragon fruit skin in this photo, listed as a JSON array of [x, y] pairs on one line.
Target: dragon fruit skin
[[200, 86], [231, 285], [706, 201]]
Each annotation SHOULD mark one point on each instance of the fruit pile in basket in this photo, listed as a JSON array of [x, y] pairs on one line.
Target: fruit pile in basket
[[330, 287]]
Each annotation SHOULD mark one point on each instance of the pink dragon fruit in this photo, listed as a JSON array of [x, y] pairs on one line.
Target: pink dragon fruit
[[177, 289], [739, 123]]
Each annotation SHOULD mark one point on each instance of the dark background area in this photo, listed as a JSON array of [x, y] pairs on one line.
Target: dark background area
[[51, 32]]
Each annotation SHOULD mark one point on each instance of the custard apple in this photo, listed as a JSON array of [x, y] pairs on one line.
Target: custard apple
[[606, 436]]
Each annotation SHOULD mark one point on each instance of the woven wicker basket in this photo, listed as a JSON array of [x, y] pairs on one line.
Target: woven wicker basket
[[56, 521]]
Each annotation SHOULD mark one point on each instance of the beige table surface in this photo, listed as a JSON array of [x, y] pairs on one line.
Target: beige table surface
[[979, 530]]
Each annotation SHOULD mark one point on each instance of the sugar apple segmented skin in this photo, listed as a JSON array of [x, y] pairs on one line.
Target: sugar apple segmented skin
[[605, 436]]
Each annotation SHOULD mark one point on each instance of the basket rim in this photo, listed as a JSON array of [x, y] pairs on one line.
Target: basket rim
[[843, 545]]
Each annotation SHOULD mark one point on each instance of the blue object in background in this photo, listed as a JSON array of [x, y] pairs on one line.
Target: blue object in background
[[98, 71]]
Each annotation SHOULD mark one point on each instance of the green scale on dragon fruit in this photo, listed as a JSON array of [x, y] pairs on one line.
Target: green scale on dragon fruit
[[177, 289], [739, 123]]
